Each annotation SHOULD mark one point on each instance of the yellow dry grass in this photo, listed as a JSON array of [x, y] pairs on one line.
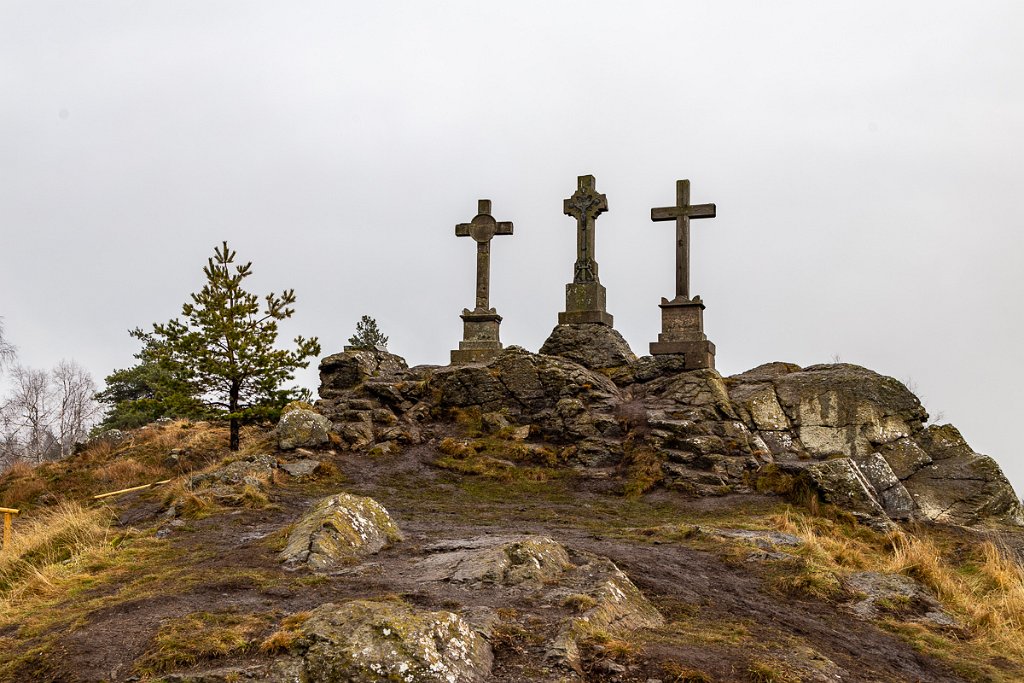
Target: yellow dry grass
[[44, 546], [983, 587]]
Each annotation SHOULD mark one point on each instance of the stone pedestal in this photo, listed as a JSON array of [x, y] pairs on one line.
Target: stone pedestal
[[480, 336], [585, 303], [682, 325]]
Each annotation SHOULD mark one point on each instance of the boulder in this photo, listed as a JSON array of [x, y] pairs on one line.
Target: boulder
[[301, 468], [301, 428], [343, 371], [339, 530], [592, 345], [499, 560], [366, 640], [839, 482], [960, 486], [889, 490], [616, 607], [881, 595], [521, 382], [848, 410]]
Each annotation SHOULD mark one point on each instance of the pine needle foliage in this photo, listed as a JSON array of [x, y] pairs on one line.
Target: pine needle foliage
[[368, 335], [226, 341]]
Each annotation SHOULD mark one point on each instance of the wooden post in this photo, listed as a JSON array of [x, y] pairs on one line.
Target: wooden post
[[8, 514]]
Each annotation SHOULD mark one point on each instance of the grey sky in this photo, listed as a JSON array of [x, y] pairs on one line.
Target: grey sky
[[866, 159]]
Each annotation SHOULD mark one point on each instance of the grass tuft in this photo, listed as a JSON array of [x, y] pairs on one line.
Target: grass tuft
[[201, 636]]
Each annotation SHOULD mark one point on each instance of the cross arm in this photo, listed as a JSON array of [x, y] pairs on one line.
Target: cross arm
[[503, 228], [462, 230], [671, 213]]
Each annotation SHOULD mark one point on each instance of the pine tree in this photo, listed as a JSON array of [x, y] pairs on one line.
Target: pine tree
[[226, 344], [367, 335], [155, 387]]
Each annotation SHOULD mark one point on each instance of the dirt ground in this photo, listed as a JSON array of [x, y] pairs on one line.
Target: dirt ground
[[730, 609]]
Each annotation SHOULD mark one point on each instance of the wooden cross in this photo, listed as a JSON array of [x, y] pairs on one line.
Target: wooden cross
[[681, 213], [482, 228], [585, 205]]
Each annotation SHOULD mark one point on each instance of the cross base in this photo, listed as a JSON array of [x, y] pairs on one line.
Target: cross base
[[682, 324], [585, 302], [480, 337]]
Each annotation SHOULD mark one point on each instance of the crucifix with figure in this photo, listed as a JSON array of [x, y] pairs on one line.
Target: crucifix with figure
[[585, 297], [682, 318], [480, 326]]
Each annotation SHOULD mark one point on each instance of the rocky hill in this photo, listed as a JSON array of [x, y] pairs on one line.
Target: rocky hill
[[539, 517]]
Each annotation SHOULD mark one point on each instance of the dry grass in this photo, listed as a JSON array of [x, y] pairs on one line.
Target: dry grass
[[201, 636], [284, 637], [642, 466], [497, 458], [126, 472], [675, 672], [43, 545], [141, 458], [978, 584], [770, 671]]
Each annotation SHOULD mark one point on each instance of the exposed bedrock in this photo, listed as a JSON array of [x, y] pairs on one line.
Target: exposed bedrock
[[858, 438]]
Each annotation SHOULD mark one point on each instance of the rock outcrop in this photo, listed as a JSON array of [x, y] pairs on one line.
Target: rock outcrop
[[367, 640], [590, 345], [300, 428], [854, 436], [499, 560], [338, 530]]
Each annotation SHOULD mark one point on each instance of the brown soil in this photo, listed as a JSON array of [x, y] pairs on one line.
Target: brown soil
[[686, 581]]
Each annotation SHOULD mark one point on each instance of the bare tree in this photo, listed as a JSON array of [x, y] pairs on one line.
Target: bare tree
[[7, 351], [29, 415], [76, 409], [47, 413]]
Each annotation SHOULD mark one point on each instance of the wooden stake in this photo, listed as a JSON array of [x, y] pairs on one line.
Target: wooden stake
[[134, 488], [8, 514]]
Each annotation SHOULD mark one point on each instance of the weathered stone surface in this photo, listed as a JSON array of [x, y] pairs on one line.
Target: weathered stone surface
[[301, 468], [840, 483], [710, 433], [894, 595], [300, 428], [619, 607], [889, 490], [521, 382], [591, 345], [338, 530], [348, 369], [847, 410], [961, 486], [366, 640], [905, 457], [500, 560], [254, 470], [759, 406]]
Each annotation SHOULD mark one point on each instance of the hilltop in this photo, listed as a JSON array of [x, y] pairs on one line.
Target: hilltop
[[558, 516]]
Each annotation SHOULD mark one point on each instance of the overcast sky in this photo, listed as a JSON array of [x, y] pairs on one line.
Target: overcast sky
[[867, 160]]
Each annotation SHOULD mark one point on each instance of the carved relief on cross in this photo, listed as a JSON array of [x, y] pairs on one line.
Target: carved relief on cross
[[681, 213], [482, 228], [585, 205]]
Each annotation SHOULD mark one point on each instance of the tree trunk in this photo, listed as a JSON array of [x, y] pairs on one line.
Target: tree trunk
[[233, 408]]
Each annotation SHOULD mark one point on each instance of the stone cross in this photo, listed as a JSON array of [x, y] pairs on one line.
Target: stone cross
[[482, 228], [585, 205], [681, 213]]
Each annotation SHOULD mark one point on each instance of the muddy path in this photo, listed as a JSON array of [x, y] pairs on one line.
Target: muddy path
[[228, 563]]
